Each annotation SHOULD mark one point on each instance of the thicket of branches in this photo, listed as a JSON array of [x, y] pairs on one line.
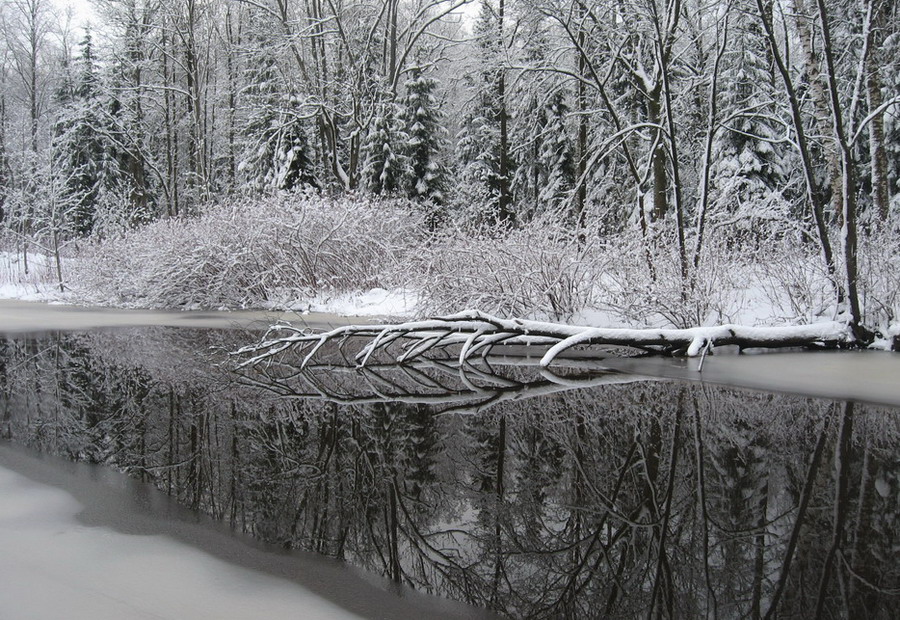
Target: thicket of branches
[[287, 249], [249, 253], [680, 128]]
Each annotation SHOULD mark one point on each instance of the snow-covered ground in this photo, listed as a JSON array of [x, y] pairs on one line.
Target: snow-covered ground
[[39, 284], [36, 284], [748, 302], [376, 302]]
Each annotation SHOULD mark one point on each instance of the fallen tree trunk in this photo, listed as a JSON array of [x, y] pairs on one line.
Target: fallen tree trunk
[[474, 332]]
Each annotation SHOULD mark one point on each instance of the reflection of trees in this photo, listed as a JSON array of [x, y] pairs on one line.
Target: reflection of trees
[[539, 495]]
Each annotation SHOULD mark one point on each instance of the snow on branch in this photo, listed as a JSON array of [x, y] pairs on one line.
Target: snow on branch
[[473, 332]]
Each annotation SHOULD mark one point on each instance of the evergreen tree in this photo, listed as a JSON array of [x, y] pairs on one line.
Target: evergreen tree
[[482, 147], [528, 102], [892, 116], [81, 147], [426, 177], [385, 164], [750, 168], [557, 154], [277, 149], [545, 158], [545, 175]]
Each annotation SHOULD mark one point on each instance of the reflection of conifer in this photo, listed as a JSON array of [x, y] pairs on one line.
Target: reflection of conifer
[[420, 446]]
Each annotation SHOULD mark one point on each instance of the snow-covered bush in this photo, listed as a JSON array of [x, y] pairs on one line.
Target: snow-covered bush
[[541, 270], [793, 280], [644, 284], [293, 249], [879, 268], [251, 253]]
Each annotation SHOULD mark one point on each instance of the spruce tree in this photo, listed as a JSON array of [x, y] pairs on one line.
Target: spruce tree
[[530, 114], [750, 166], [482, 146], [545, 157], [277, 150], [385, 164], [426, 177], [557, 154], [892, 118], [82, 151]]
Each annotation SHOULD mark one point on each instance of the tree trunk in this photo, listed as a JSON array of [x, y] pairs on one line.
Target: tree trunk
[[660, 178], [234, 41], [814, 193], [877, 151], [504, 212], [819, 96], [848, 182], [582, 146]]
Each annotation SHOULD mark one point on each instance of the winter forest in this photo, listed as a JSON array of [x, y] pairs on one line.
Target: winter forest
[[636, 162]]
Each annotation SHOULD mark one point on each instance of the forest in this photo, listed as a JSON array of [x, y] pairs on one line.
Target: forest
[[648, 162]]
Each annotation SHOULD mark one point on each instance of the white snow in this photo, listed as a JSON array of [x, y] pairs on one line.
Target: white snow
[[37, 285], [752, 304], [375, 302], [52, 566]]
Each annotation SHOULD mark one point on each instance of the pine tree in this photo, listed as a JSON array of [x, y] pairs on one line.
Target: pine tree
[[385, 164], [482, 145], [426, 177], [277, 149], [81, 147]]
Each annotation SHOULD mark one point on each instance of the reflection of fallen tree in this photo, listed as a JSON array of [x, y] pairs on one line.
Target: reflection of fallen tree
[[470, 334], [456, 388]]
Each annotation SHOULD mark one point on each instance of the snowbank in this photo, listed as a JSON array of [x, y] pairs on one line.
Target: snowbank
[[37, 284]]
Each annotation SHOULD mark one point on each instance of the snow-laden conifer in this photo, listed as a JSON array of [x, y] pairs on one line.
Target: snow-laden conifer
[[277, 148], [84, 150], [426, 174], [751, 161], [386, 164], [484, 159]]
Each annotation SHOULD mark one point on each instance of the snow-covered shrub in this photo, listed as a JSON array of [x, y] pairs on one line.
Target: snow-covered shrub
[[541, 270], [251, 253], [644, 285], [793, 279], [879, 269]]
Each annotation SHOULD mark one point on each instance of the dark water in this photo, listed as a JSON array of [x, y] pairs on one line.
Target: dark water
[[580, 495]]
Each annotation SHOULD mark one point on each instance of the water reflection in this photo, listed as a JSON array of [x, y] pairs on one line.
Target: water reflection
[[581, 494]]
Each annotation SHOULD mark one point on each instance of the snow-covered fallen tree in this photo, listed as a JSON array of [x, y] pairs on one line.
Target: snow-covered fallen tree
[[472, 333]]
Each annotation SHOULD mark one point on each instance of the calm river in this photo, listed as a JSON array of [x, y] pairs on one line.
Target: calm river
[[583, 494]]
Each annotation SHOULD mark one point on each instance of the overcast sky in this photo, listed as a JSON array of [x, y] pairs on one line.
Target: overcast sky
[[82, 9]]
